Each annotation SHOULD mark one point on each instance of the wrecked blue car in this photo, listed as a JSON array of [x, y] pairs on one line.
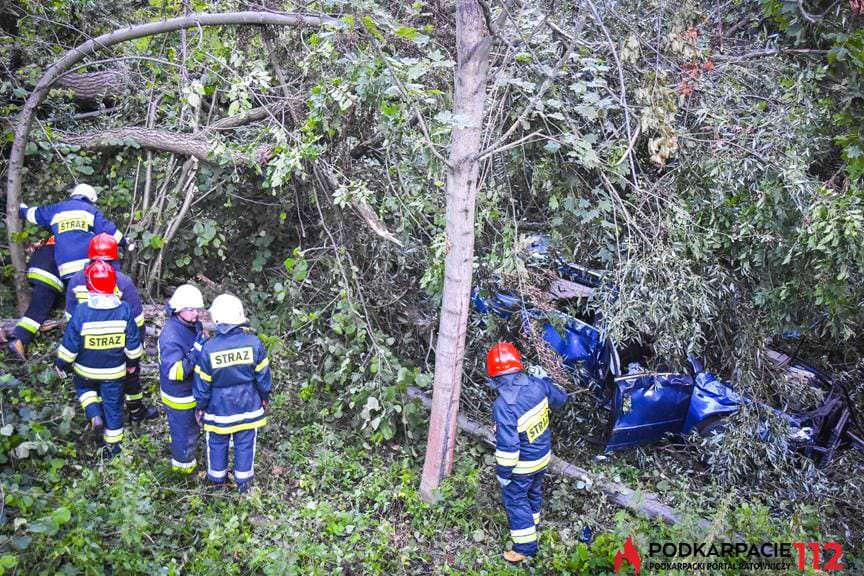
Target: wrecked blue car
[[646, 406]]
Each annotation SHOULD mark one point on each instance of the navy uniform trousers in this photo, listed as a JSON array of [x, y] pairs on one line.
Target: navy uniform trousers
[[522, 499]]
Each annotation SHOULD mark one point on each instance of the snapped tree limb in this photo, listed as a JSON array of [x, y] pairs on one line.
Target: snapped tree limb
[[76, 55]]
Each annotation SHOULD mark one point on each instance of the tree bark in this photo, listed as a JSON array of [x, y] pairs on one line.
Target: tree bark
[[75, 55], [95, 86], [472, 50]]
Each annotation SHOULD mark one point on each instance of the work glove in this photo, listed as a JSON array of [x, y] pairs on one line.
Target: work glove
[[503, 481], [62, 368], [130, 247], [23, 205]]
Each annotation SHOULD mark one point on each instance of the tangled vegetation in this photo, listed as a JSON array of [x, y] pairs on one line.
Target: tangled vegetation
[[707, 158]]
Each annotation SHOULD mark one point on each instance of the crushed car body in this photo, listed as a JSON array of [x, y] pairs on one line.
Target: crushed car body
[[645, 406]]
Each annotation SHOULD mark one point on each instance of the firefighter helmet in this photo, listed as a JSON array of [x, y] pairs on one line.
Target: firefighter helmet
[[86, 191], [102, 247], [101, 278], [227, 309], [503, 358], [186, 296]]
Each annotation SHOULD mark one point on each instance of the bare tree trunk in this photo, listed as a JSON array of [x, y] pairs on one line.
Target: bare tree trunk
[[95, 86], [472, 45], [75, 55]]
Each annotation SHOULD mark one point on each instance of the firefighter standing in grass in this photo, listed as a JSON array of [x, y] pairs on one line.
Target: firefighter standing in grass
[[179, 344], [47, 288], [104, 247], [523, 443], [232, 391], [101, 345]]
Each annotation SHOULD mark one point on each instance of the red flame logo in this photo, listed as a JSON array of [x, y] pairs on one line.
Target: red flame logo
[[629, 555]]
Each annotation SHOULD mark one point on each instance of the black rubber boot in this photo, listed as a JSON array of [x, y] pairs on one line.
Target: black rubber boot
[[138, 411]]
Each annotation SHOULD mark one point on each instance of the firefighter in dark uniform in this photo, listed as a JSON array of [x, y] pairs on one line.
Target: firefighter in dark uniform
[[523, 443], [104, 247], [47, 287], [179, 343], [101, 345], [232, 391]]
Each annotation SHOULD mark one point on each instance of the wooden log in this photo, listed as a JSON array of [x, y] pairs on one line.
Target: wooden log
[[645, 504]]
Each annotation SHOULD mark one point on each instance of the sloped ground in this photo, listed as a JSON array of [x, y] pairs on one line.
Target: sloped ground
[[325, 500]]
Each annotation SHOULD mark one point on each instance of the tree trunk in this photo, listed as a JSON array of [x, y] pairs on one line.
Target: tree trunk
[[472, 49], [75, 55], [95, 86]]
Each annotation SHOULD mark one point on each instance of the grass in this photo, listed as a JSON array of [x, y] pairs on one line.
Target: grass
[[325, 501]]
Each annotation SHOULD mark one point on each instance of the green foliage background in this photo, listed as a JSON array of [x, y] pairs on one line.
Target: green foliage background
[[732, 213]]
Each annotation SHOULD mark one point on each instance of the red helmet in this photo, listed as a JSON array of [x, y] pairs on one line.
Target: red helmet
[[503, 358], [101, 278], [102, 247]]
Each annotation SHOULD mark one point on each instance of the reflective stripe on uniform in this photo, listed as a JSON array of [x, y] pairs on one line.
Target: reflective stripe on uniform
[[264, 363], [215, 474], [45, 277], [528, 417], [71, 214], [81, 293], [116, 373], [217, 429], [506, 458], [238, 475], [204, 376], [524, 535], [536, 517], [135, 353], [112, 436], [178, 402], [183, 467], [118, 236], [31, 215], [176, 371], [64, 354], [529, 466], [134, 397], [139, 320], [232, 418], [69, 268], [103, 327], [88, 398], [29, 324]]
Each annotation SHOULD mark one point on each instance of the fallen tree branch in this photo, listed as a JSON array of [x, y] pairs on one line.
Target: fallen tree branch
[[72, 57], [645, 504], [95, 86]]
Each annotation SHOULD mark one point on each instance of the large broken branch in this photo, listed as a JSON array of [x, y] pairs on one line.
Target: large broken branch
[[76, 55], [95, 86], [200, 147], [644, 504], [181, 143]]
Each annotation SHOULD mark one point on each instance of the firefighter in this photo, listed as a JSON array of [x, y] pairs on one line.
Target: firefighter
[[179, 343], [101, 345], [73, 222], [104, 247], [523, 443], [46, 289], [232, 390]]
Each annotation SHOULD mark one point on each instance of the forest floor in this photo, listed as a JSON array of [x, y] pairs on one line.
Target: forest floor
[[325, 501]]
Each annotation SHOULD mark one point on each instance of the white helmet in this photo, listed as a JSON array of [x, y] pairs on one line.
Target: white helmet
[[86, 191], [186, 296], [227, 309]]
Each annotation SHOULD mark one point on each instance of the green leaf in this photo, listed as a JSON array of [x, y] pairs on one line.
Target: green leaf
[[407, 32]]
